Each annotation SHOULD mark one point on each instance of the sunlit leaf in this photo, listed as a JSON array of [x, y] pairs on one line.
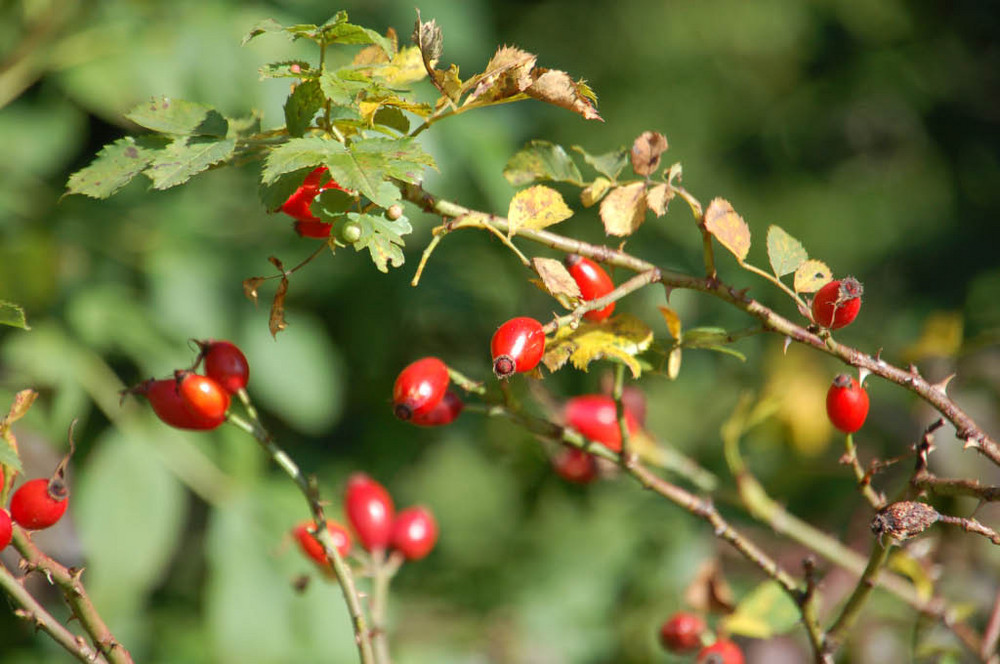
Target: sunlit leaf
[[621, 338], [555, 277], [186, 157], [673, 322], [536, 208], [785, 252], [658, 197], [646, 151], [811, 275], [301, 106], [541, 160], [595, 191], [342, 86], [722, 221], [674, 363], [406, 67], [765, 612], [382, 238], [609, 164], [624, 209], [12, 315], [508, 73], [176, 116], [556, 87], [115, 166]]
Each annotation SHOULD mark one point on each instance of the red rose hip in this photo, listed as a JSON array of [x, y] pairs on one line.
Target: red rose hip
[[414, 532], [595, 416], [837, 303], [575, 465], [722, 651], [6, 529], [682, 632], [226, 364], [39, 503], [594, 283], [419, 388], [847, 404], [370, 511], [445, 412], [517, 346], [312, 547]]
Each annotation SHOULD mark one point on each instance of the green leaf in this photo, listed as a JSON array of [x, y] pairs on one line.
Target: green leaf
[[784, 251], [176, 116], [185, 158], [364, 165], [115, 166], [342, 86], [331, 204], [127, 490], [301, 106], [338, 31], [382, 238], [13, 315], [765, 612], [621, 338], [702, 337], [263, 27], [609, 164], [274, 195], [389, 116], [541, 160], [8, 455]]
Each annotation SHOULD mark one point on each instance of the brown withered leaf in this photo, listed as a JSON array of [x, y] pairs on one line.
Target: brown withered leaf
[[709, 591], [508, 73], [556, 87], [624, 209], [728, 227], [673, 322], [250, 287], [658, 197], [18, 409], [276, 321], [428, 38], [646, 151], [556, 278]]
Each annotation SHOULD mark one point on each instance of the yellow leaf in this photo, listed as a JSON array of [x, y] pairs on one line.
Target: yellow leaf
[[507, 74], [658, 197], [674, 363], [406, 67], [624, 209], [595, 191], [728, 227], [367, 109], [556, 278], [621, 338], [536, 207], [811, 275], [941, 337], [673, 322]]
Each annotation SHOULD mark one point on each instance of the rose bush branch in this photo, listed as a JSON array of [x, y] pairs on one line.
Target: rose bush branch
[[966, 428], [341, 570], [70, 584], [33, 612]]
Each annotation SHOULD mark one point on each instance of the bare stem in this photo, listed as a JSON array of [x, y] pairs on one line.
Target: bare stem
[[850, 457], [340, 569], [852, 609], [68, 581], [35, 613]]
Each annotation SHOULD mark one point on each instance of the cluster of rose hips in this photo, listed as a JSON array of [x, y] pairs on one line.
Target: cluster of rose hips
[[37, 504], [372, 516], [199, 402], [686, 632], [836, 305], [298, 204], [421, 396]]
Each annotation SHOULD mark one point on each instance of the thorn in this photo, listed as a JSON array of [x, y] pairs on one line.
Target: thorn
[[878, 355], [863, 373], [913, 370], [788, 342], [942, 386]]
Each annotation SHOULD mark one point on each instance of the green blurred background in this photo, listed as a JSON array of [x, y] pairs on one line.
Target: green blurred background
[[868, 130]]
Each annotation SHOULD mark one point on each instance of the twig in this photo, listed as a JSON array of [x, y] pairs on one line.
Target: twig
[[810, 618], [341, 570], [36, 614], [852, 609], [874, 498], [68, 581]]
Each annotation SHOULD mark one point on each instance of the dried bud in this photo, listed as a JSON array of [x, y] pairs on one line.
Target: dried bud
[[903, 520]]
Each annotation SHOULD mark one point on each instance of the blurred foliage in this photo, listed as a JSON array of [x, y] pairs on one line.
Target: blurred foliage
[[867, 130]]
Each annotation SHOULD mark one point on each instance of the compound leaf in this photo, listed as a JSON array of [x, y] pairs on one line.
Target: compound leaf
[[176, 116], [186, 157], [382, 238], [115, 166]]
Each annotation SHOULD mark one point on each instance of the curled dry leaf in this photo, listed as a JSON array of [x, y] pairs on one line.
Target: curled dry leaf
[[276, 322], [556, 278], [658, 197], [556, 87], [250, 287], [595, 191], [646, 151], [624, 209]]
